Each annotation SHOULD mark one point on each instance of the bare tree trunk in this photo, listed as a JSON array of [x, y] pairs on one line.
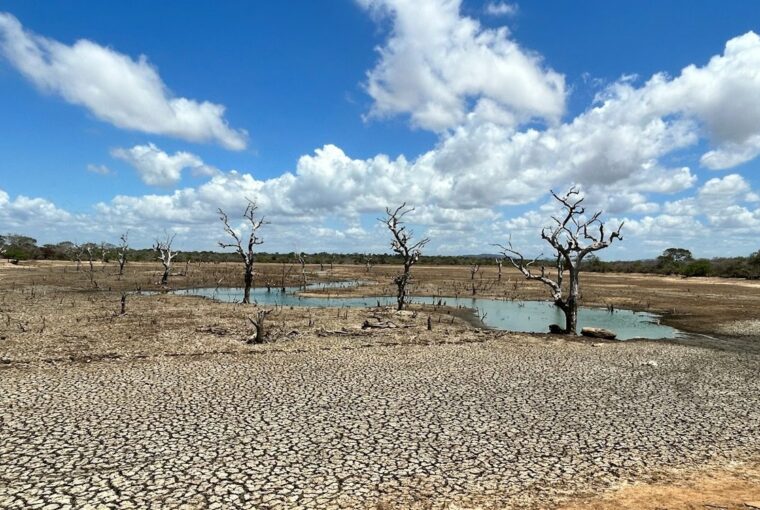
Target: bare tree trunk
[[401, 282], [165, 277], [571, 304], [248, 284]]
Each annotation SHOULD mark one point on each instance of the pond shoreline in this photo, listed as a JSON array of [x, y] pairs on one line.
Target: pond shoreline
[[522, 316]]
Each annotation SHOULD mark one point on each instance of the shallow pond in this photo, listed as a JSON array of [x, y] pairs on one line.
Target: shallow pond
[[522, 316]]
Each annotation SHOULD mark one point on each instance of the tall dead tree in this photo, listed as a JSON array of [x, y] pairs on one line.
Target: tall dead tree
[[245, 251], [572, 236], [165, 255], [402, 245], [122, 251], [301, 257]]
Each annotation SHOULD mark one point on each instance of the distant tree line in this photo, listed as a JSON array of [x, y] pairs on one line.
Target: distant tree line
[[19, 247], [680, 261], [673, 261]]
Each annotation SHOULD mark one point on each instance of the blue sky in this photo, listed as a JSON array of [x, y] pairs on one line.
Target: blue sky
[[488, 105]]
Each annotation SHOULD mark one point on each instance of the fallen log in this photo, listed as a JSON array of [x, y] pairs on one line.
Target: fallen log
[[599, 333]]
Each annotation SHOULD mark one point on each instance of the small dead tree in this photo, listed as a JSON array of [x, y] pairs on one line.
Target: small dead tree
[[401, 244], [104, 248], [368, 262], [474, 268], [76, 252], [122, 251], [499, 262], [165, 255], [245, 251], [88, 248], [572, 237], [259, 333]]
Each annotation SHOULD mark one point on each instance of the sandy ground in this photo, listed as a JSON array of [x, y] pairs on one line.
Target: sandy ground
[[167, 405]]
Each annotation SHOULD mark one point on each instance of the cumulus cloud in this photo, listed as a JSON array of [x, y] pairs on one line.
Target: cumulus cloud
[[34, 216], [437, 62], [720, 97], [157, 168], [112, 86]]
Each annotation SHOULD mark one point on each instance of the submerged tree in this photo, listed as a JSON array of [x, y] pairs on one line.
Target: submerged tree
[[165, 255], [572, 237], [402, 245], [246, 252]]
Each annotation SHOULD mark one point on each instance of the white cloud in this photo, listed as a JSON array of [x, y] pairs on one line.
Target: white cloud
[[437, 61], [99, 169], [157, 168], [501, 9], [724, 190], [720, 96], [112, 86], [33, 216]]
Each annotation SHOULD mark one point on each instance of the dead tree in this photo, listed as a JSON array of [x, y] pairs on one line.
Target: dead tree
[[246, 252], [474, 268], [77, 251], [259, 334], [572, 237], [402, 245], [88, 248], [104, 253], [122, 253], [368, 262], [302, 260], [499, 262], [165, 255]]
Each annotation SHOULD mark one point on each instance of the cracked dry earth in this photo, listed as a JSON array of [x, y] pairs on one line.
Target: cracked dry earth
[[497, 424]]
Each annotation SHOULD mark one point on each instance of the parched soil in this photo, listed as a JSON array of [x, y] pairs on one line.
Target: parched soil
[[167, 406]]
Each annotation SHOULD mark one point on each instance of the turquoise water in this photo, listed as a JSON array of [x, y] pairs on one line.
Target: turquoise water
[[522, 316]]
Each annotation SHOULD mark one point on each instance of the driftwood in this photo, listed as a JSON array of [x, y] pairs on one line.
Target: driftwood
[[599, 333], [379, 325]]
